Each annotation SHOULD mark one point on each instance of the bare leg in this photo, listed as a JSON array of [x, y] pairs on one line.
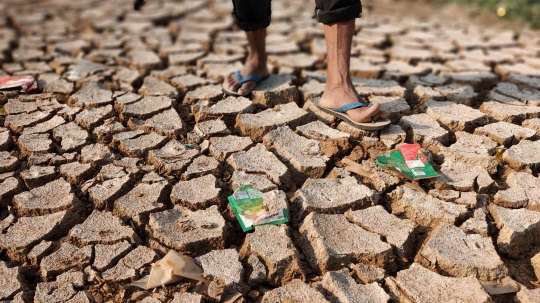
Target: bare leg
[[339, 89], [255, 63]]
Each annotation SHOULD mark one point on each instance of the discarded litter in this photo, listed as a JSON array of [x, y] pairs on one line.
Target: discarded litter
[[408, 161], [26, 83], [249, 208], [504, 286], [171, 269]]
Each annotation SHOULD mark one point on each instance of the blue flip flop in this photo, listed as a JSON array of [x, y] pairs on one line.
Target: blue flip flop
[[242, 80], [340, 113]]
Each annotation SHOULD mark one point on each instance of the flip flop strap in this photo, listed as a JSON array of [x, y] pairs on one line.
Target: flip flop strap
[[350, 106], [257, 79]]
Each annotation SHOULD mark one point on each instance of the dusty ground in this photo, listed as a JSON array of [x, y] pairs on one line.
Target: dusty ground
[[129, 149]]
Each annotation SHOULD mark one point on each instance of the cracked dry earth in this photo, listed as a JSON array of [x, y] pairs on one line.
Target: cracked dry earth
[[129, 149]]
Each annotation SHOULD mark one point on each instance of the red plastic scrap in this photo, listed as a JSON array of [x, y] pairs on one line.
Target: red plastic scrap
[[26, 83]]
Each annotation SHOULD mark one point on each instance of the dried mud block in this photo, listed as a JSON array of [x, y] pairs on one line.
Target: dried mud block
[[525, 184], [55, 292], [462, 176], [456, 117], [535, 262], [392, 136], [224, 270], [276, 89], [8, 162], [44, 127], [476, 224], [52, 197], [222, 147], [187, 298], [528, 296], [523, 156], [188, 232], [518, 229], [123, 100], [10, 187], [107, 130], [102, 228], [33, 144], [259, 182], [198, 193], [461, 255], [144, 61], [142, 200], [258, 125], [20, 237], [399, 233], [478, 80], [97, 154], [274, 247], [156, 87], [172, 159], [303, 156], [429, 80], [67, 257], [146, 107], [17, 123], [331, 141], [531, 123], [369, 273], [91, 95], [106, 255], [141, 145], [474, 150], [76, 173], [211, 128], [226, 109], [423, 209], [509, 113], [331, 196], [212, 93], [365, 70], [126, 270], [380, 178], [312, 89], [425, 130], [378, 87], [397, 106], [201, 166], [341, 286], [294, 61], [419, 284], [12, 281], [188, 82], [102, 195], [167, 123], [524, 95], [70, 136], [296, 291], [92, 117], [5, 139], [325, 252], [505, 133], [15, 107], [257, 160], [311, 107]]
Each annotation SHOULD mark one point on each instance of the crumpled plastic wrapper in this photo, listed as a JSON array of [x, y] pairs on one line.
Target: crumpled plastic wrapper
[[171, 269], [26, 83]]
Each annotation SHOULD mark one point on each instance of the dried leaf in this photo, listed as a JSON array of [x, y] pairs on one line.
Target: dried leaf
[[356, 168]]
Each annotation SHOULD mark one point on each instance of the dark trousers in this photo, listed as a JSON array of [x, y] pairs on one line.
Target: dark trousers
[[251, 15]]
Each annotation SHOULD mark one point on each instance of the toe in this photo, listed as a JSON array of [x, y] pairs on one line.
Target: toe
[[231, 83], [247, 88]]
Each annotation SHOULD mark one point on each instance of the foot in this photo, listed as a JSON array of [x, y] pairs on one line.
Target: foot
[[251, 67], [338, 96]]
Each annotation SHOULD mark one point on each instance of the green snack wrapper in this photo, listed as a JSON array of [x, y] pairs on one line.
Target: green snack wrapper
[[408, 161], [248, 207]]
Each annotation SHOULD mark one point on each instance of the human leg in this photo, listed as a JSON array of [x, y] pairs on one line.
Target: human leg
[[338, 17], [252, 16]]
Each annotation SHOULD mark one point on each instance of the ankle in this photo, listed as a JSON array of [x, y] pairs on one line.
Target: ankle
[[257, 58]]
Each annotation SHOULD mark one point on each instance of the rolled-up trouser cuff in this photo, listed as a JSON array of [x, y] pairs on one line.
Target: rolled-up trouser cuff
[[251, 26], [339, 14]]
